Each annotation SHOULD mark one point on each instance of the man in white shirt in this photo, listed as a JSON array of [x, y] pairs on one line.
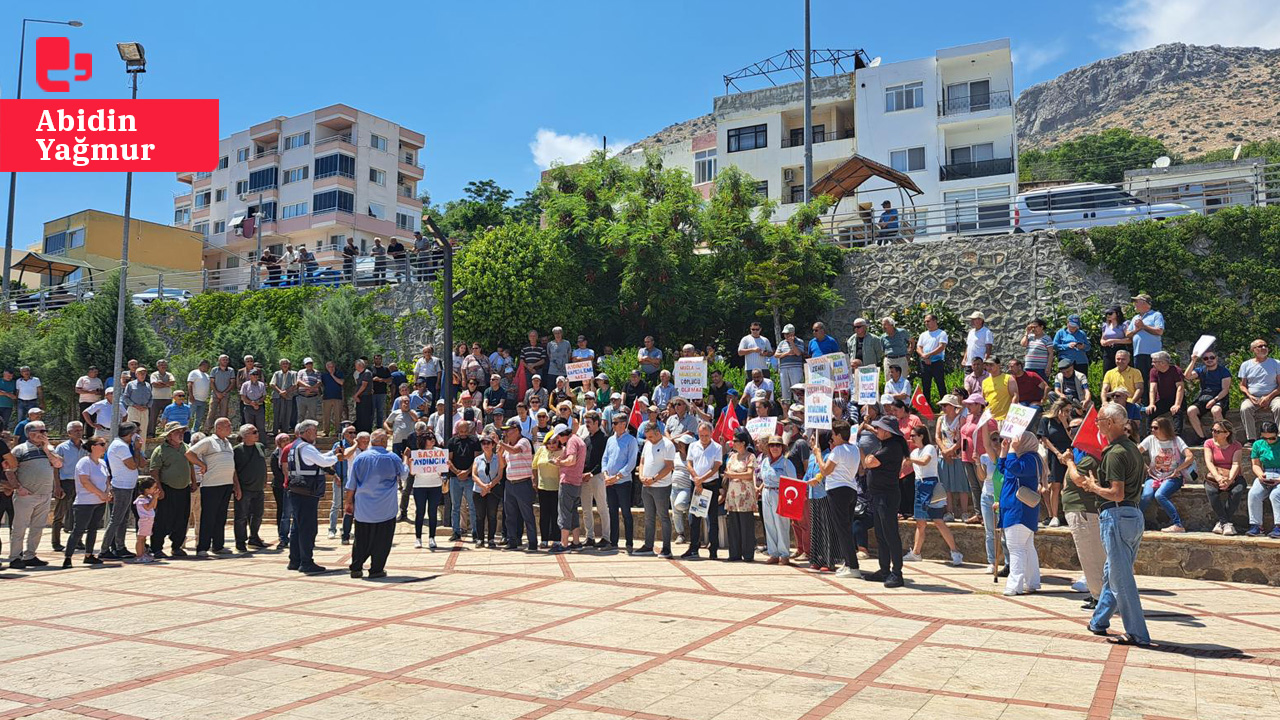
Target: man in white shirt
[[657, 461], [30, 391], [97, 417], [759, 383], [931, 346], [837, 472], [1260, 383], [125, 458], [199, 386], [162, 382], [89, 388], [214, 458], [703, 460], [980, 341], [755, 350]]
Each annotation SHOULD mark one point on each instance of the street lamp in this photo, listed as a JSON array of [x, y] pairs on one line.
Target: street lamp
[[446, 385], [135, 63], [13, 176]]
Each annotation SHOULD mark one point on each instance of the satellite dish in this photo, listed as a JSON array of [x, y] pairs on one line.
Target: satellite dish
[[1236, 155], [875, 62], [1161, 162]]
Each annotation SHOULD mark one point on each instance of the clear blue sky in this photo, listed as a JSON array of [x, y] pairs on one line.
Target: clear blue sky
[[480, 79]]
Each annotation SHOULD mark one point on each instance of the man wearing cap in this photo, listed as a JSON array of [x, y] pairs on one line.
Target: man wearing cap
[[283, 386], [371, 499], [614, 409], [306, 467], [251, 476], [571, 463], [307, 391], [253, 396], [177, 478], [679, 420], [1071, 385], [882, 489], [790, 355], [517, 502], [71, 450], [537, 390], [755, 350], [125, 459], [616, 465], [1146, 329], [980, 341], [582, 353], [97, 417], [1072, 343], [865, 349], [34, 414], [34, 485], [733, 405]]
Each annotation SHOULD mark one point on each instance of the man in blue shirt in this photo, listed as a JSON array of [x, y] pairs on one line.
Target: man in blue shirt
[[371, 498], [178, 411], [822, 343], [888, 224], [620, 454], [331, 411], [1146, 330]]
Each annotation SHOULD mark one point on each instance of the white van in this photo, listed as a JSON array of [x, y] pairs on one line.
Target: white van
[[1084, 205]]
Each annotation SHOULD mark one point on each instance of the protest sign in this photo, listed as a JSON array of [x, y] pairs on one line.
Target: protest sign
[[691, 377], [761, 427], [868, 385], [579, 371], [817, 407], [840, 370], [1017, 421], [818, 371], [429, 462]]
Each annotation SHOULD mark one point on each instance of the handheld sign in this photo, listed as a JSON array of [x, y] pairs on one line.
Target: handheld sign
[[840, 370], [817, 407], [1203, 344], [429, 462], [868, 385], [818, 371], [691, 377], [579, 371], [1016, 422], [760, 427], [701, 504]]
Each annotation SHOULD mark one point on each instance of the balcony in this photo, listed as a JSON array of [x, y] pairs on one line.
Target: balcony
[[406, 192], [979, 169], [821, 137], [340, 138], [967, 104], [265, 158], [412, 170]]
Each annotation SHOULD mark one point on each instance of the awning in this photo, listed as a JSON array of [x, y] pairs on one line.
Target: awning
[[845, 178], [43, 264]]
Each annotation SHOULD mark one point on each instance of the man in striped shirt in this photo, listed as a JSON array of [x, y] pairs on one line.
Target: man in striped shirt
[[518, 500]]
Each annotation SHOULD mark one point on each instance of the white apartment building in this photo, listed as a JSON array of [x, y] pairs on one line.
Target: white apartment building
[[318, 178], [946, 121]]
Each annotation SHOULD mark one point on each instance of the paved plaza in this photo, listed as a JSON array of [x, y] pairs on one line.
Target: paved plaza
[[495, 635]]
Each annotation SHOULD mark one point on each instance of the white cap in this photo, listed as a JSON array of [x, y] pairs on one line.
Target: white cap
[[307, 361]]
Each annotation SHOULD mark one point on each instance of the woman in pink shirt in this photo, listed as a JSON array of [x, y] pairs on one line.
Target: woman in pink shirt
[[1223, 482], [972, 446]]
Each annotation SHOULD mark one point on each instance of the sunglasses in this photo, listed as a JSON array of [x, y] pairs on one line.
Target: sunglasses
[[1219, 431], [1210, 357]]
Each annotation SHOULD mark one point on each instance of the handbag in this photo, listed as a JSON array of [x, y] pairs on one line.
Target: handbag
[[939, 494], [1028, 497]]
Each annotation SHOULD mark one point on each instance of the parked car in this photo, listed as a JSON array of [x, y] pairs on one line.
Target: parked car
[[146, 296], [1084, 205], [320, 277], [51, 299]]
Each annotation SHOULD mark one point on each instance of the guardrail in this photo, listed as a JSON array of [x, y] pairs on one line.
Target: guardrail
[[332, 139], [974, 103], [818, 137]]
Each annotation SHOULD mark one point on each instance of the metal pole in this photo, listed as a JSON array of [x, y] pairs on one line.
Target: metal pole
[[123, 298], [258, 258], [13, 189], [808, 107], [446, 377]]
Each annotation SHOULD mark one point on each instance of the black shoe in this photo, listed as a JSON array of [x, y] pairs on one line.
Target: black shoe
[[715, 555], [36, 562], [92, 560], [17, 564], [1004, 572], [66, 562], [403, 518], [357, 573], [492, 545], [877, 576], [59, 547], [311, 569], [177, 552], [291, 566], [158, 554], [108, 555], [377, 574], [1089, 604], [455, 537], [224, 551], [893, 581], [242, 549], [510, 547], [282, 545], [124, 555], [256, 542], [690, 553]]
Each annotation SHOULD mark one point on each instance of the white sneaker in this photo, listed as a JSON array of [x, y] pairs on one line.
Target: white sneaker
[[846, 572], [1080, 585], [1217, 529], [956, 558], [333, 535], [911, 557], [862, 555], [1228, 529], [679, 539], [417, 543], [431, 543], [1055, 523], [1011, 593]]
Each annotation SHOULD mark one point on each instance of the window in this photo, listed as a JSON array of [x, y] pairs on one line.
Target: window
[[277, 249], [202, 228], [242, 187], [203, 175], [220, 195], [263, 179], [909, 160], [377, 142], [404, 221], [748, 138], [971, 153], [223, 163], [233, 262], [704, 166], [377, 176], [337, 241], [75, 238], [406, 157], [980, 209], [969, 96], [297, 174], [797, 193], [182, 215], [297, 141], [242, 155], [377, 210], [762, 188], [797, 135], [903, 97], [336, 164], [55, 243], [331, 200], [201, 200], [219, 227], [294, 210], [268, 209]]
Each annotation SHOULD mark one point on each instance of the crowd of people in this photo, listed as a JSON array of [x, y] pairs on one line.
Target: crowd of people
[[586, 453]]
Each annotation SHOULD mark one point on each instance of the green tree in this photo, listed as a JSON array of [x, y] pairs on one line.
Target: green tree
[[1102, 157], [791, 276], [252, 337], [336, 330], [1269, 149]]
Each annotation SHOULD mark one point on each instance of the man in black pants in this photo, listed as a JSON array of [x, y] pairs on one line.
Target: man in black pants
[[838, 471], [371, 497], [931, 346], [171, 468], [882, 490]]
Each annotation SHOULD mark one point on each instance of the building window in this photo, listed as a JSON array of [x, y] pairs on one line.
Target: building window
[[55, 243], [337, 241], [909, 160], [903, 97], [377, 210], [294, 210], [277, 249], [223, 163], [201, 200], [268, 210], [404, 221], [297, 141], [220, 195], [202, 228], [971, 153], [406, 157], [331, 200], [797, 135], [704, 166], [264, 179], [748, 138], [336, 164], [233, 262], [377, 176], [797, 193], [377, 142], [762, 188], [182, 215], [972, 96], [242, 187], [242, 155], [297, 174], [219, 227], [75, 238]]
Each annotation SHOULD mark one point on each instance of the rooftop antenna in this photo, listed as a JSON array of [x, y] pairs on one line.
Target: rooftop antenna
[[875, 62], [1236, 155]]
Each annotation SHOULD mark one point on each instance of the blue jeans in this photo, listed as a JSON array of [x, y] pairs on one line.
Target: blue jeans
[[680, 497], [989, 527], [1121, 533], [335, 511], [777, 529], [517, 513], [379, 410], [302, 541], [24, 406], [460, 490], [284, 514], [1162, 495], [199, 408], [1257, 494]]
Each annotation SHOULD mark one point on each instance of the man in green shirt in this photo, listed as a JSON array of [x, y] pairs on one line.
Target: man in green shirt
[[171, 469], [1081, 509], [1118, 485], [251, 472]]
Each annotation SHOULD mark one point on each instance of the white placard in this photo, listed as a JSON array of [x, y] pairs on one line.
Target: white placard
[[700, 505], [818, 371], [691, 377], [840, 370], [579, 371], [759, 427], [1017, 421], [429, 462], [1203, 344], [817, 407], [868, 385]]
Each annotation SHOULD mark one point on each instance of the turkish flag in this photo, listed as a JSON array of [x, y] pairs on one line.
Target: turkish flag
[[727, 426], [1088, 438], [791, 498], [921, 405], [522, 381], [637, 415]]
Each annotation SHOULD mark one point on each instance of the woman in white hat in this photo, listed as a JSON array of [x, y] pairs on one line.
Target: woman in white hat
[[951, 469]]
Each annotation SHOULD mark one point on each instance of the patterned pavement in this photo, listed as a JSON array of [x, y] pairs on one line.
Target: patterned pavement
[[494, 635]]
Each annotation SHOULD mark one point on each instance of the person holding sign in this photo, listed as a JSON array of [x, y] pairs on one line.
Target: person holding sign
[[703, 461], [427, 481], [1025, 476]]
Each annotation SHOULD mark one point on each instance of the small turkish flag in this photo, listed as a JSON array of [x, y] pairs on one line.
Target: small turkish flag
[[637, 416], [921, 405], [791, 498], [1088, 438], [727, 426]]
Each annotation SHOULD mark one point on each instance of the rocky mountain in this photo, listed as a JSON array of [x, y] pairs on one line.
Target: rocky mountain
[[1193, 98]]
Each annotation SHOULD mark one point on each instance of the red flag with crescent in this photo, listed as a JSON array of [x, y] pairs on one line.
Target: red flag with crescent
[[1088, 438], [791, 498], [921, 404]]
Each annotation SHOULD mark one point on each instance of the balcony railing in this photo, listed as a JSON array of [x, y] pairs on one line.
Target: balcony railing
[[406, 192], [331, 173], [974, 103], [332, 139], [981, 168], [267, 153], [818, 137]]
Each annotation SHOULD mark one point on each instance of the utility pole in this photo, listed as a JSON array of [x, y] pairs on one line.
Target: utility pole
[[808, 107], [253, 268], [446, 377], [134, 67]]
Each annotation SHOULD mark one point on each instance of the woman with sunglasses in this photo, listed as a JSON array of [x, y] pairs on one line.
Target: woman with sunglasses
[[1168, 461], [90, 503], [1114, 337], [1265, 457], [1223, 483], [426, 487], [486, 473]]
